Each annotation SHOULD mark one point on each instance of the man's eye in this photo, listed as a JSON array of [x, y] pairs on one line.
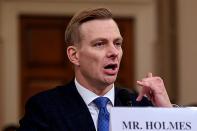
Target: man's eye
[[118, 43], [99, 44]]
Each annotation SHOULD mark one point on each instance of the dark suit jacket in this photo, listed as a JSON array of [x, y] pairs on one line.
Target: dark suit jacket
[[63, 109]]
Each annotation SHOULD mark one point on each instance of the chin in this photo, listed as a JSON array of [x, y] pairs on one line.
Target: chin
[[110, 80]]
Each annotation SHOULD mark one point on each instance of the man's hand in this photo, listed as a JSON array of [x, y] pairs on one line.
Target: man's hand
[[153, 87]]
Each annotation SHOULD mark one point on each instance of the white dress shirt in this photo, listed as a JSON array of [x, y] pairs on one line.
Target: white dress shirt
[[88, 96]]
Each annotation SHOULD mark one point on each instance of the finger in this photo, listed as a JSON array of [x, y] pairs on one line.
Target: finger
[[144, 91], [141, 94], [150, 74], [139, 83], [151, 95], [144, 83]]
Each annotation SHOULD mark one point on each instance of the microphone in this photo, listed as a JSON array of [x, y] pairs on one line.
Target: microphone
[[125, 97], [128, 98]]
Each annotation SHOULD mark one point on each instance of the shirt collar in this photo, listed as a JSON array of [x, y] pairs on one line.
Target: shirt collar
[[88, 96]]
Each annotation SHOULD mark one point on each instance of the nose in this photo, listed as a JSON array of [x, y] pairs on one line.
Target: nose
[[113, 51]]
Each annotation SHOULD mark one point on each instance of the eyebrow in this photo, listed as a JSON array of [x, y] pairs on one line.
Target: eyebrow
[[120, 38], [104, 39]]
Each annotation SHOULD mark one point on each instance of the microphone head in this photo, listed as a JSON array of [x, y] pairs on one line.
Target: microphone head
[[126, 97]]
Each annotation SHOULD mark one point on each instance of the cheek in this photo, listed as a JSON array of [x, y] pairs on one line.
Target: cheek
[[120, 56], [90, 59]]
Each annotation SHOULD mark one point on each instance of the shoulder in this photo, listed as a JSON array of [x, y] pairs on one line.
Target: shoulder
[[52, 97]]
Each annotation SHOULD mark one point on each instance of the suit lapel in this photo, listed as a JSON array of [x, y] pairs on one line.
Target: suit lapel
[[77, 114]]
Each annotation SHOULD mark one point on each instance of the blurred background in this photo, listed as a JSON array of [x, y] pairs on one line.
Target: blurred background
[[159, 37]]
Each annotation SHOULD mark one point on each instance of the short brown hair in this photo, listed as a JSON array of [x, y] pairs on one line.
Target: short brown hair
[[72, 33]]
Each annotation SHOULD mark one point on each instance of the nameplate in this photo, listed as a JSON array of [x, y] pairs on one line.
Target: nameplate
[[153, 119]]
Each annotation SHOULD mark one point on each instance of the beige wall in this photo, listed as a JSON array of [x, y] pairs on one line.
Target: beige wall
[[142, 10], [187, 39]]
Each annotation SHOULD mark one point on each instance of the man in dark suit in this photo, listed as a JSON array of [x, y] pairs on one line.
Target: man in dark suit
[[94, 47]]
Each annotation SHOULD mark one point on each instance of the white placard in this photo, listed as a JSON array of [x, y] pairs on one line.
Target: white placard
[[153, 119]]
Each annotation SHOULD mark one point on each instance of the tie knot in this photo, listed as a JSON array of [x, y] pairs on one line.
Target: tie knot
[[101, 102]]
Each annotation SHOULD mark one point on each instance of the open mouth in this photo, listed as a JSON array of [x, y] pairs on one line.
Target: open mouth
[[111, 66]]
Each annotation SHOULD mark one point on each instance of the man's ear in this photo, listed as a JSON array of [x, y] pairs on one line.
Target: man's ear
[[72, 54]]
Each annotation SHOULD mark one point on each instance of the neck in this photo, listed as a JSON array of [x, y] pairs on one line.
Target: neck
[[99, 89]]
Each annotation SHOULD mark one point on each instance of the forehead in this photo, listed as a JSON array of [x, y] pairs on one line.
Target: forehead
[[99, 28]]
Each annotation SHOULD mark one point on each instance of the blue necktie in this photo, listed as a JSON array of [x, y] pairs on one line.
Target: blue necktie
[[103, 117]]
